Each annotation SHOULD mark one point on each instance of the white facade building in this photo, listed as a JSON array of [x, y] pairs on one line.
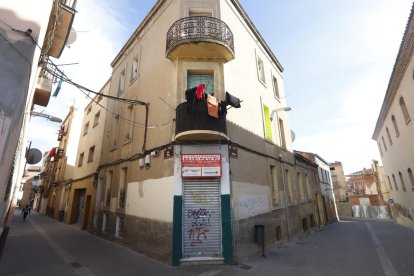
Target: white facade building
[[394, 130]]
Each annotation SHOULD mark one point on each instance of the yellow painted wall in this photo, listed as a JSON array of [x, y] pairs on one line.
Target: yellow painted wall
[[90, 191]]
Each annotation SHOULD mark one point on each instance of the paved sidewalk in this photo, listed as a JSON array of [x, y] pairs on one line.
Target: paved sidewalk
[[43, 246]]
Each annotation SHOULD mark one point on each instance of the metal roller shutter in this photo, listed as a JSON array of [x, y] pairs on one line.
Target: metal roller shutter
[[202, 218]]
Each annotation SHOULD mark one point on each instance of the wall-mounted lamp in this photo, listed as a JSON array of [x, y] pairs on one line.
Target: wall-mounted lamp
[[286, 108], [47, 116]]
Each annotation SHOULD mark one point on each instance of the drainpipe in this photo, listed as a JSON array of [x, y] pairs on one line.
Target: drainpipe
[[285, 197]]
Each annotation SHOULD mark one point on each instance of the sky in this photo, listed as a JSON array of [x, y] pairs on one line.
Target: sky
[[337, 57]]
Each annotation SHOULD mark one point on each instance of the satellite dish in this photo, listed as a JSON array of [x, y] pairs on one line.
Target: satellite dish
[[293, 135], [33, 156], [72, 37]]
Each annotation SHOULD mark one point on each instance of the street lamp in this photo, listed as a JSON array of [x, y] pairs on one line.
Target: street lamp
[[47, 116], [286, 108]]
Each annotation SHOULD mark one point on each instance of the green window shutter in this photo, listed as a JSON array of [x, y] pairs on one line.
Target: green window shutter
[[194, 80], [268, 125]]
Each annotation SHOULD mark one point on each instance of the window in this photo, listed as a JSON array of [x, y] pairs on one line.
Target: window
[[404, 111], [322, 175], [267, 122], [129, 123], [121, 83], [194, 79], [389, 183], [411, 177], [300, 186], [89, 110], [380, 149], [282, 134], [395, 182], [289, 185], [261, 70], [109, 177], [275, 186], [91, 153], [134, 69], [402, 182], [394, 123], [96, 118], [275, 88], [389, 135], [308, 187], [122, 186], [80, 160], [86, 128], [383, 141], [99, 99], [115, 130]]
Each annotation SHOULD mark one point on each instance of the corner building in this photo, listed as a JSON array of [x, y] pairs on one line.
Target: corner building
[[176, 183]]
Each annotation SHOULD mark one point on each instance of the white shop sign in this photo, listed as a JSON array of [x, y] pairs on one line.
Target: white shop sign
[[201, 165]]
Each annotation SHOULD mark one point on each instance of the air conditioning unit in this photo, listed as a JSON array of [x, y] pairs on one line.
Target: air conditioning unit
[[156, 153], [42, 91], [147, 161], [141, 162]]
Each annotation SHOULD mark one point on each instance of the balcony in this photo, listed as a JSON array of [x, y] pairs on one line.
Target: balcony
[[60, 25], [42, 91], [194, 124], [200, 37]]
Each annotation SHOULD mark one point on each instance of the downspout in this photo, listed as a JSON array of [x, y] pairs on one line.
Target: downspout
[[286, 201], [146, 127]]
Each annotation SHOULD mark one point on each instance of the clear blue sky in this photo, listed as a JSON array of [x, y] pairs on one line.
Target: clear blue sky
[[337, 55]]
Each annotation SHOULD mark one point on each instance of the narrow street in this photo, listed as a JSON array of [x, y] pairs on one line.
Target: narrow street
[[42, 246]]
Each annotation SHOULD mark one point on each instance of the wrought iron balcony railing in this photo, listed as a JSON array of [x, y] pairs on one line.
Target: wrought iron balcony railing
[[195, 29], [197, 124]]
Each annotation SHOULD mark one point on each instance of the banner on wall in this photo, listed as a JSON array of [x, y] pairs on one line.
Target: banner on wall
[[201, 165]]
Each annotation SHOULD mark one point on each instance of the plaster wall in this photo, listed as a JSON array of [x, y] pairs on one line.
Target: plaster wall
[[94, 135], [400, 155], [242, 80], [151, 199], [18, 73]]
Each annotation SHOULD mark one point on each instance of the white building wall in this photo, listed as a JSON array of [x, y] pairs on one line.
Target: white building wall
[[241, 80], [18, 74], [400, 155]]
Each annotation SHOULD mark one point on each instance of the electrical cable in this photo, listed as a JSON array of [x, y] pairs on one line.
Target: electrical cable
[[82, 88]]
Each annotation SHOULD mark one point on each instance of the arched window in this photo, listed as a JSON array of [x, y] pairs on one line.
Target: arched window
[[402, 182], [389, 182], [404, 110], [389, 135], [394, 122], [395, 182], [410, 175], [383, 141], [380, 149]]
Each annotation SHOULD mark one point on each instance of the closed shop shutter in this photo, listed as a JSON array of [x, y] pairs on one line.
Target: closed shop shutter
[[201, 218]]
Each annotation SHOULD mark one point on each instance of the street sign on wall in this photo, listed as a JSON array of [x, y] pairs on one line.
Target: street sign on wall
[[201, 165]]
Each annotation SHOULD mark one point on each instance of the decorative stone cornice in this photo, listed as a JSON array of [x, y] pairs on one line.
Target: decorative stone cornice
[[400, 68]]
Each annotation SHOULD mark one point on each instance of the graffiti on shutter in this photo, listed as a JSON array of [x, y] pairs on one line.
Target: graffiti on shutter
[[201, 218]]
